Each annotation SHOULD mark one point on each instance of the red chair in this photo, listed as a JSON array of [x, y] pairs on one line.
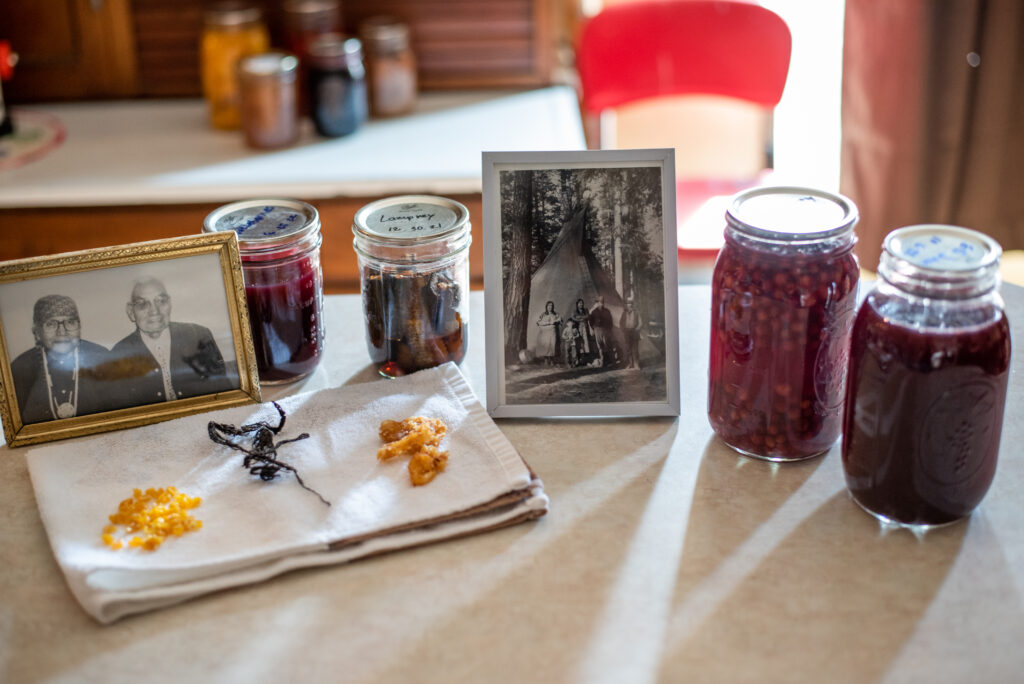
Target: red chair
[[644, 49]]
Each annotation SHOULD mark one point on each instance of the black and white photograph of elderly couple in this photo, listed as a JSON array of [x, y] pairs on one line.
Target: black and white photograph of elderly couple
[[585, 285], [87, 343]]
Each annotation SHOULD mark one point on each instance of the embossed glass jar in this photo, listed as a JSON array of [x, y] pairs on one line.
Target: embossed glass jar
[[279, 244], [413, 253], [929, 365], [783, 300]]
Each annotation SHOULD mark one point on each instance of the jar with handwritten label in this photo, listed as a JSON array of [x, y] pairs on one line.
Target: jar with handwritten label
[[413, 254], [929, 366], [783, 298], [231, 31], [279, 243]]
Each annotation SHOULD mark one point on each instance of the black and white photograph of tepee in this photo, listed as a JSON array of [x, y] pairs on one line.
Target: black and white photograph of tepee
[[585, 283]]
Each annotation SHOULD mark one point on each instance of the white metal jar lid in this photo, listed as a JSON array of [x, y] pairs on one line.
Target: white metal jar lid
[[411, 220], [791, 213], [943, 248], [264, 223]]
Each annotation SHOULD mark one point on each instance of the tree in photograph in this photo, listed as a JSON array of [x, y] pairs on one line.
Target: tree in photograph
[[516, 214]]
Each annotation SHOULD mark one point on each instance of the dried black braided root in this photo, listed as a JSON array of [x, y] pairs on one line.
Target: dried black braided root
[[261, 457]]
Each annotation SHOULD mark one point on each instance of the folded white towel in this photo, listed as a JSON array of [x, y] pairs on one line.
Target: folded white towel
[[253, 530]]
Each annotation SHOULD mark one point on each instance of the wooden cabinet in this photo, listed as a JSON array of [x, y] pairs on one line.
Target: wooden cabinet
[[70, 49], [45, 231], [93, 49]]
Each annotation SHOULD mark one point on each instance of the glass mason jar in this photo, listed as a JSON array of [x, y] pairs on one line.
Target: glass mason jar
[[413, 256], [391, 66], [306, 20], [337, 85], [783, 299], [279, 243], [929, 366], [231, 31], [270, 115]]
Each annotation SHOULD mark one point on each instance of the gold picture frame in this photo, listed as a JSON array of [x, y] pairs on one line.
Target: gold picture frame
[[98, 320]]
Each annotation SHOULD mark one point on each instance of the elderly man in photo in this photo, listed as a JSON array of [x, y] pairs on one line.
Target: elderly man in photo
[[57, 378], [165, 360]]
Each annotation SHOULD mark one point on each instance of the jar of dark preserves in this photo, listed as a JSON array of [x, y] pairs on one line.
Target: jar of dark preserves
[[337, 85], [279, 244], [413, 256], [783, 300], [268, 95], [929, 365]]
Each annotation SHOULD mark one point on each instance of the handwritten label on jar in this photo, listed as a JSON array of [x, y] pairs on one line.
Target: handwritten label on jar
[[266, 221], [412, 220], [941, 251]]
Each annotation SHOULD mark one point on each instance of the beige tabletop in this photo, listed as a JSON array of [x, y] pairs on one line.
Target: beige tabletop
[[665, 557]]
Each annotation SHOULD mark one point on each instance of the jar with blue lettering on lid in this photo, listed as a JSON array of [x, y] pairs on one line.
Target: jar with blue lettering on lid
[[279, 245], [413, 254], [929, 367]]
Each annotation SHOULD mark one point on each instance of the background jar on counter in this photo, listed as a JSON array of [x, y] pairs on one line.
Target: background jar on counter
[[279, 243], [231, 31], [929, 366], [268, 99], [783, 299], [413, 254], [391, 66], [337, 85]]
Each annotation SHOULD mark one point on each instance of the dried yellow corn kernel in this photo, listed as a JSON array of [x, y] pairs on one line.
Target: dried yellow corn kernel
[[155, 515]]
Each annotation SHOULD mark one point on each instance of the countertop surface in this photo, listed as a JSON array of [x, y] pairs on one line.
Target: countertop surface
[[156, 152], [665, 557]]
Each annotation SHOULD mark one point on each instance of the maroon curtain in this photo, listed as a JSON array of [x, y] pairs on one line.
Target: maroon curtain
[[933, 117]]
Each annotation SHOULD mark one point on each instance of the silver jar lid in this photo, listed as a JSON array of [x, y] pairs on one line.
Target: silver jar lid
[[943, 248], [264, 223], [791, 213], [268, 65], [940, 260], [232, 13], [411, 220]]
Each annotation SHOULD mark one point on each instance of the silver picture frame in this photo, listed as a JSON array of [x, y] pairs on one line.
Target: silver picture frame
[[580, 283]]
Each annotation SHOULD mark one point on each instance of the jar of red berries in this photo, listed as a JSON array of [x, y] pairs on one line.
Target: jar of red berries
[[783, 301]]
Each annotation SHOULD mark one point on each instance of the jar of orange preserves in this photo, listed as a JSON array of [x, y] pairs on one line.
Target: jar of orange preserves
[[231, 30]]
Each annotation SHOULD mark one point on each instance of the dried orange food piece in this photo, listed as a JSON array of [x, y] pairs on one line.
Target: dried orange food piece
[[426, 464], [418, 438], [156, 514], [393, 430]]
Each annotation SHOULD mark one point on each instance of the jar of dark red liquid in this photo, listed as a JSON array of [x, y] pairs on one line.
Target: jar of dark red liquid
[[413, 256], [279, 243], [783, 300], [929, 365]]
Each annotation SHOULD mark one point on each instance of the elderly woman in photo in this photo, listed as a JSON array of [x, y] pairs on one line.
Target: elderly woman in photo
[[58, 377], [547, 338]]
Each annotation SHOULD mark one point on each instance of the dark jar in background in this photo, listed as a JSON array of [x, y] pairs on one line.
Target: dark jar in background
[[337, 85], [783, 298], [307, 20], [391, 66], [929, 366], [269, 109], [413, 254], [304, 22], [279, 243]]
